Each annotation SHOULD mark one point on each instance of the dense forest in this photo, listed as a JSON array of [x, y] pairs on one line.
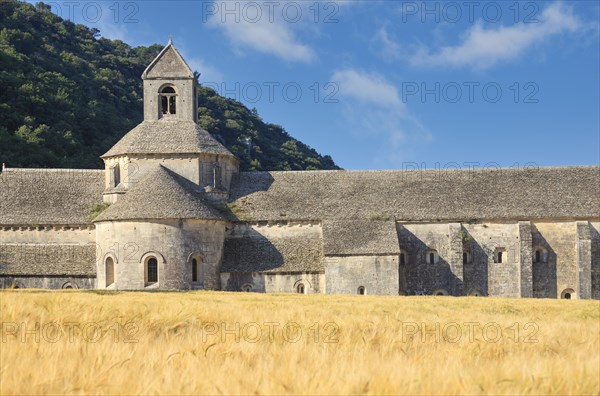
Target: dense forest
[[68, 95]]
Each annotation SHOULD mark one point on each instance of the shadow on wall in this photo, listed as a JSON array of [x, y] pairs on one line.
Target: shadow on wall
[[420, 276], [10, 283], [543, 267], [243, 281], [45, 282], [247, 254], [475, 271]]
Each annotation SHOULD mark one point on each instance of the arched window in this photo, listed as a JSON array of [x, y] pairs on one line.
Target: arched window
[[466, 257], [212, 173], [109, 266], [168, 101], [432, 257], [247, 287], [194, 270], [567, 294], [500, 255], [361, 290], [115, 175], [197, 270], [151, 270], [440, 292], [300, 288], [540, 255], [216, 176]]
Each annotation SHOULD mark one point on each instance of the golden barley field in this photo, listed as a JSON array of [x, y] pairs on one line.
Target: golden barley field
[[77, 342]]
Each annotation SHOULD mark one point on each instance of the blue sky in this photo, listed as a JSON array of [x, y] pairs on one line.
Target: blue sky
[[385, 85]]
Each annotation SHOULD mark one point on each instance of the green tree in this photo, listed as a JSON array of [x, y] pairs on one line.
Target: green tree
[[67, 96]]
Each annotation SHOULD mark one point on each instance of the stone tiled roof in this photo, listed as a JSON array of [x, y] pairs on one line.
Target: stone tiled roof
[[167, 136], [49, 196], [552, 192], [48, 260], [358, 237], [162, 194], [258, 254]]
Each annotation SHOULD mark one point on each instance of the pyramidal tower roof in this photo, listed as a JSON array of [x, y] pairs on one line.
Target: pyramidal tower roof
[[167, 136], [162, 194]]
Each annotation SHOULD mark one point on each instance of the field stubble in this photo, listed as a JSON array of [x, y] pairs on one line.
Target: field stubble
[[76, 342]]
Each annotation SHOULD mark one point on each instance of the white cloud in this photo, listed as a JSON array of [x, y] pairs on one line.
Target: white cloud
[[367, 88], [483, 48], [208, 73], [372, 109], [389, 48], [266, 34]]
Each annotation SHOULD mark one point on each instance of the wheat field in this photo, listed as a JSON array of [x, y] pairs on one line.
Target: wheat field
[[78, 342]]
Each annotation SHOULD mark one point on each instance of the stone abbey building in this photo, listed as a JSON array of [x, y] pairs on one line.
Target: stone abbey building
[[181, 216]]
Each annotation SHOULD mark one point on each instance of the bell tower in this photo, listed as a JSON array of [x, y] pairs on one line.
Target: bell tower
[[169, 136], [170, 88]]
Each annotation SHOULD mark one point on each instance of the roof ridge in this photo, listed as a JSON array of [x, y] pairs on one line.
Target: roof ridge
[[49, 170], [429, 170]]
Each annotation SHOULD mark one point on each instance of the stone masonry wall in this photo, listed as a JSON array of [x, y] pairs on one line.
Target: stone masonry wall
[[47, 282], [418, 275], [274, 283], [526, 259], [172, 242], [558, 270], [584, 260], [195, 168], [59, 235], [187, 102], [595, 270], [47, 256], [377, 274], [483, 274]]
